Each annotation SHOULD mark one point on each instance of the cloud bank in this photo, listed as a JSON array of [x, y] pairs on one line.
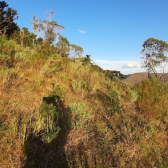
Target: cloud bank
[[81, 31], [125, 67], [132, 65], [124, 64]]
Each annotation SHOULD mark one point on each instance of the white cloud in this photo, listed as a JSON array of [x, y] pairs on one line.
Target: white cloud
[[131, 65], [81, 31], [125, 67], [122, 64], [134, 71]]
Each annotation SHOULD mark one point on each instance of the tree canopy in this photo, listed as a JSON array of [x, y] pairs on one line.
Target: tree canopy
[[48, 27], [154, 56], [7, 17]]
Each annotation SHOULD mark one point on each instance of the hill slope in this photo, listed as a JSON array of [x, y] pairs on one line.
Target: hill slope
[[61, 112], [139, 77]]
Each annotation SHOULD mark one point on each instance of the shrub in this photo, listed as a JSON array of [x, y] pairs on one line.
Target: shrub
[[7, 51], [79, 114], [47, 120], [133, 96], [153, 95], [115, 104]]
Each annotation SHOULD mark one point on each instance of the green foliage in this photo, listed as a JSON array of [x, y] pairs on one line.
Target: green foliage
[[78, 85], [153, 55], [114, 78], [25, 55], [63, 46], [38, 82], [76, 50], [47, 27], [79, 114], [115, 105], [58, 92], [96, 67], [87, 58], [6, 74], [133, 96], [114, 75], [7, 17], [47, 124], [55, 56], [56, 67], [7, 51], [152, 100]]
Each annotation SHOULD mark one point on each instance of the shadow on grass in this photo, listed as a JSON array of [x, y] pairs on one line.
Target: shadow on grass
[[40, 153]]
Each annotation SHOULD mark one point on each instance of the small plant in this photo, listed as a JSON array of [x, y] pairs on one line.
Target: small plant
[[133, 96], [79, 85], [5, 74], [38, 82], [45, 66], [115, 105], [79, 114], [58, 92], [47, 123], [113, 77], [56, 56], [50, 117], [56, 67]]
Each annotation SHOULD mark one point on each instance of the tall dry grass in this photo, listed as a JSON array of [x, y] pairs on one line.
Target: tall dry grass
[[57, 111]]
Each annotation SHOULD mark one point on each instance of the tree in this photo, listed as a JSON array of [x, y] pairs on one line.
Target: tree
[[24, 37], [7, 17], [63, 46], [114, 75], [154, 56], [23, 34], [76, 51], [49, 28]]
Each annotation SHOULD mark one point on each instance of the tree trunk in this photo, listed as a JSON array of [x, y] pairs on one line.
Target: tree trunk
[[149, 75], [4, 31], [22, 37], [33, 43]]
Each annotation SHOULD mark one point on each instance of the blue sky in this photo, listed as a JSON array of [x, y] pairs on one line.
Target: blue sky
[[111, 31]]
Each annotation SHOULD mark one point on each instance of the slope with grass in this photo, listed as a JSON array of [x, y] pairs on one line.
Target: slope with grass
[[62, 112]]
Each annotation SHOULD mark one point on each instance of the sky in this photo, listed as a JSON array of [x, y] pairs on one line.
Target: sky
[[111, 31]]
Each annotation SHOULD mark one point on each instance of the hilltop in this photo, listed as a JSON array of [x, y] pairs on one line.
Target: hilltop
[[58, 109]]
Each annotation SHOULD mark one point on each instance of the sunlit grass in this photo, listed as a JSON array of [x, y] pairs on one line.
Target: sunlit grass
[[109, 123]]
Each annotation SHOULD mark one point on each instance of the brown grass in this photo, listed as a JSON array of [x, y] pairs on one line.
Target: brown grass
[[103, 123]]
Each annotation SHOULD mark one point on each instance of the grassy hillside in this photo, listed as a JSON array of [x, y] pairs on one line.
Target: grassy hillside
[[62, 112]]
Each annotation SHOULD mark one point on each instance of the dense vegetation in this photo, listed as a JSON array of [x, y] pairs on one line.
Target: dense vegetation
[[58, 109]]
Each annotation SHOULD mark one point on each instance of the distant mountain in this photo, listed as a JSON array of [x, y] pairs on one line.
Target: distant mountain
[[125, 76], [138, 77]]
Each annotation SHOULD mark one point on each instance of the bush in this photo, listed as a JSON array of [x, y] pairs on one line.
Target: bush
[[133, 96], [7, 51], [152, 100]]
